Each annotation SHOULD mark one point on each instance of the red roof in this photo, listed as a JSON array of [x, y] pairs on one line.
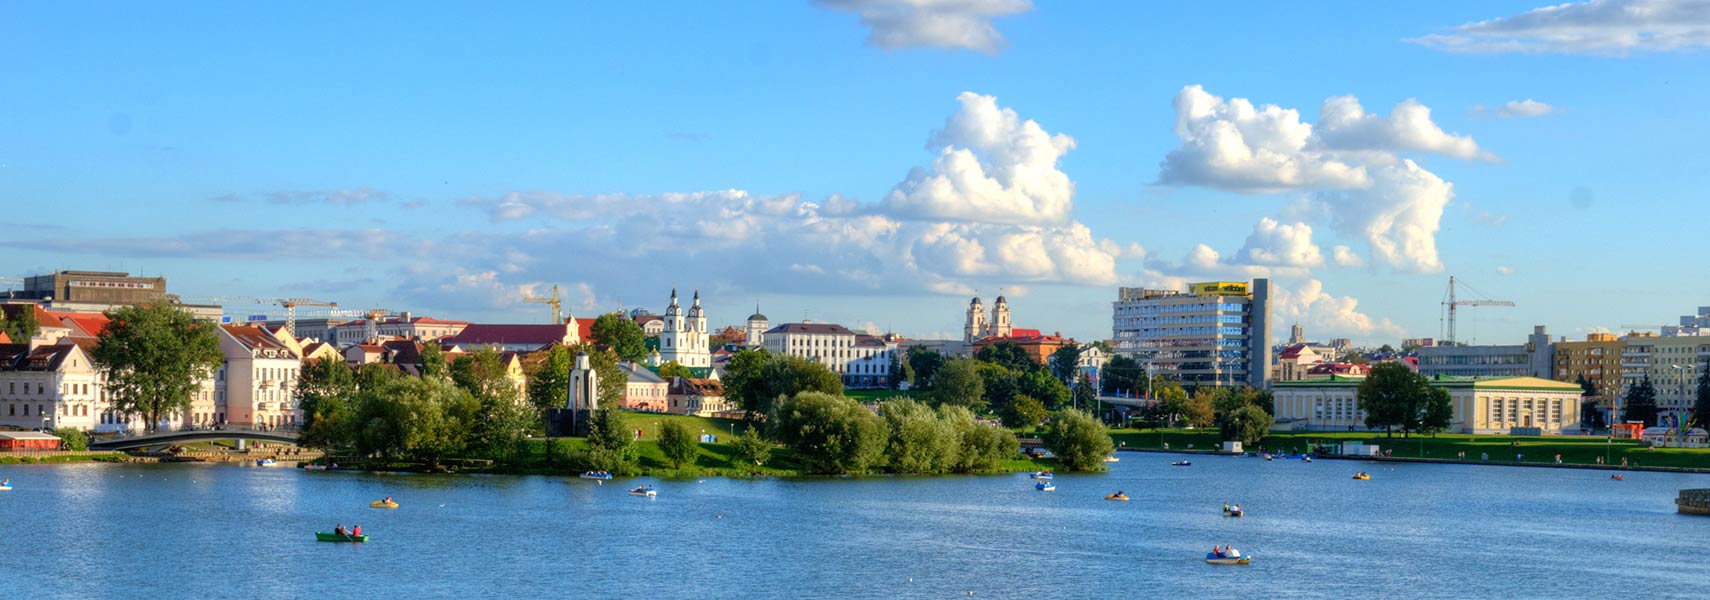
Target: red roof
[[1291, 352], [1025, 333], [44, 318], [92, 324], [4, 339], [585, 329], [535, 335]]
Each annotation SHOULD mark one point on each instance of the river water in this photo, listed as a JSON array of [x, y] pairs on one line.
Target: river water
[[225, 531]]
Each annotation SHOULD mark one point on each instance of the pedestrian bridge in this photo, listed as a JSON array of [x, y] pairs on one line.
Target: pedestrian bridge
[[176, 438]]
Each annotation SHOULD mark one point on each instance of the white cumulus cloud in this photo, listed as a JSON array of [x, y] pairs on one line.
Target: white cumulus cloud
[[1350, 162], [1344, 256], [1281, 244], [991, 166], [948, 24], [1338, 316], [1518, 109], [1608, 27]]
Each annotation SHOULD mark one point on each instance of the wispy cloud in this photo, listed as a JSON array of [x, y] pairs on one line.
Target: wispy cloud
[[1516, 109], [1607, 27], [336, 197], [948, 24]]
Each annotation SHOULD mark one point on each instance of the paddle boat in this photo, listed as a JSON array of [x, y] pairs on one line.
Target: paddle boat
[[383, 503], [1118, 497], [6, 485], [596, 475], [1362, 476], [1217, 560], [1611, 478], [322, 536], [1045, 486], [1181, 463], [1305, 459], [1233, 511], [309, 467], [646, 490], [1042, 475], [1269, 457], [266, 462]]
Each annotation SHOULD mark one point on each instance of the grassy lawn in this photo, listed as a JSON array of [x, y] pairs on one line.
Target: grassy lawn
[[649, 424], [1574, 449], [877, 395], [28, 460]]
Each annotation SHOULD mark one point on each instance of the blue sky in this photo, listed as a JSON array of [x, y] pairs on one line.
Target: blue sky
[[870, 162]]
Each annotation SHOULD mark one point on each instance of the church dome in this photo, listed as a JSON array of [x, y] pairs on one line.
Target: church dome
[[757, 317], [975, 301], [1000, 300]]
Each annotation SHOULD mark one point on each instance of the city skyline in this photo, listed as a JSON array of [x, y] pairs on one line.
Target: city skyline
[[870, 164]]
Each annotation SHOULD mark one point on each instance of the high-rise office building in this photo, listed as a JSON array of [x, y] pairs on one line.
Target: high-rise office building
[[1214, 333]]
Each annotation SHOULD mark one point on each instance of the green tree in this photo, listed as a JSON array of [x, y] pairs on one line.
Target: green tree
[[1394, 397], [899, 372], [610, 442], [621, 335], [1024, 411], [1439, 412], [72, 438], [155, 359], [1641, 403], [829, 433], [983, 447], [1122, 374], [1701, 405], [23, 326], [326, 393], [1008, 355], [605, 364], [549, 385], [744, 382], [925, 363], [1083, 393], [1065, 362], [1198, 411], [1249, 424], [412, 417], [1000, 384], [433, 361], [674, 369], [958, 383], [919, 441], [1079, 440], [678, 445], [750, 447], [1045, 388], [503, 419]]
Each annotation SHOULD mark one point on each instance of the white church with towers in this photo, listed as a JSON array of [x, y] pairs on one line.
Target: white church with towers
[[684, 339], [978, 327]]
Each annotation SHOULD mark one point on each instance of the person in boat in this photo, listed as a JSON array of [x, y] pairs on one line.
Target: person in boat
[[5, 482], [1217, 551], [356, 531], [1225, 507], [1231, 552], [339, 530], [388, 500]]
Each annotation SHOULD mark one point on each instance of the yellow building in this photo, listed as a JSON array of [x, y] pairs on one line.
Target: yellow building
[[1481, 404], [1597, 360]]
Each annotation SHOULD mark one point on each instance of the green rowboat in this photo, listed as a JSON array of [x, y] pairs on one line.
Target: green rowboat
[[322, 536]]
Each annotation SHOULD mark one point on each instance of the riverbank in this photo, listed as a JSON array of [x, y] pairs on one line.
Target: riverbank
[[713, 460], [1576, 452], [60, 457]]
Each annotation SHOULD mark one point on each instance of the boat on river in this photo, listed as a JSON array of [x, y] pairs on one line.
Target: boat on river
[[322, 536], [1181, 463], [1362, 476], [1042, 475], [1112, 458], [1045, 486], [646, 490], [1233, 512], [386, 503], [1217, 560], [266, 462], [596, 475], [1118, 497]]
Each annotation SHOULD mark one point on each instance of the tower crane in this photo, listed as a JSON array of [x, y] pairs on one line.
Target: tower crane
[[1453, 303], [290, 305], [557, 314]]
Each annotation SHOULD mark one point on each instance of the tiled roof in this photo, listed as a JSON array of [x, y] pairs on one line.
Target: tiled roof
[[19, 357], [44, 319], [256, 338], [4, 339], [1291, 352], [639, 374], [90, 324], [645, 319], [863, 339], [819, 328], [539, 335], [403, 351], [689, 386], [1025, 333]]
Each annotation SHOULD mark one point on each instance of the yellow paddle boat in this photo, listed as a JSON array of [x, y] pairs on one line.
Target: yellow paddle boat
[[1362, 476], [385, 503], [1118, 497]]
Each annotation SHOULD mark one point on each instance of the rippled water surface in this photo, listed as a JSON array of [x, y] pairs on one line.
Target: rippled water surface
[[223, 531]]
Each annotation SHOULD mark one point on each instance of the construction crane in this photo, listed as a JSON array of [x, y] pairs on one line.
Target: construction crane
[[290, 305], [557, 314], [1453, 303]]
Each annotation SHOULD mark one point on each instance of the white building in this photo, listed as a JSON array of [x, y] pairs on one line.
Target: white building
[[1215, 333], [976, 326], [1672, 363], [863, 360], [257, 384], [48, 386], [1535, 358], [685, 340], [755, 335], [1481, 404]]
